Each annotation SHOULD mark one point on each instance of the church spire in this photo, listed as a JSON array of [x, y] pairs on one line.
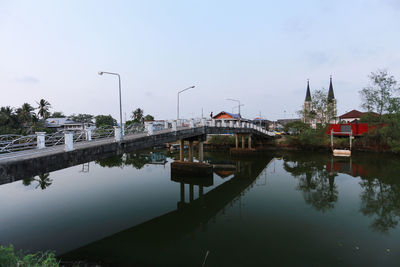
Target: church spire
[[308, 94], [331, 96]]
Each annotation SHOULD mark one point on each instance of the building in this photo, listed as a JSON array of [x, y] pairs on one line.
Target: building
[[66, 124], [312, 116], [353, 116], [223, 115]]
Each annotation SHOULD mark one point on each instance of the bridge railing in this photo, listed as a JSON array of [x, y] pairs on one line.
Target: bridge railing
[[13, 143]]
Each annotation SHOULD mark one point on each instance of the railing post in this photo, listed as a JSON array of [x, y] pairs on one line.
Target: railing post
[[117, 134], [174, 126], [212, 123], [69, 141], [231, 124], [88, 134], [150, 129], [166, 125], [191, 123], [203, 122], [41, 142]]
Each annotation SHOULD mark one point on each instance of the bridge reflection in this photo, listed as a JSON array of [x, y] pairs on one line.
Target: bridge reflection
[[139, 244]]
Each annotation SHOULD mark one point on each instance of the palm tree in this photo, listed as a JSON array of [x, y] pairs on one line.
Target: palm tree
[[25, 113], [137, 115], [44, 181], [43, 108]]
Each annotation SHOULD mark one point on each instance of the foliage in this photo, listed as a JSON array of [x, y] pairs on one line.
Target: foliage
[[148, 117], [57, 114], [8, 257], [43, 108], [105, 120], [221, 140], [310, 138], [380, 95], [137, 115], [83, 118], [296, 127]]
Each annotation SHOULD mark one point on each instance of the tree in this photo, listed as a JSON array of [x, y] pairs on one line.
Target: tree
[[57, 114], [25, 113], [296, 127], [323, 111], [83, 118], [380, 95], [148, 117], [105, 120], [43, 108], [137, 115]]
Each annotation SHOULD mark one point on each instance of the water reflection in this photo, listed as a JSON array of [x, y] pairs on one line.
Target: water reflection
[[43, 180], [192, 214], [316, 183], [380, 184], [136, 160]]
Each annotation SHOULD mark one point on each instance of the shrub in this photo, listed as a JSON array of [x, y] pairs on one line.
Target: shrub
[[8, 257]]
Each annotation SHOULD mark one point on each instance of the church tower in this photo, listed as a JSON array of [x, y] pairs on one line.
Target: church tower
[[307, 107], [332, 105]]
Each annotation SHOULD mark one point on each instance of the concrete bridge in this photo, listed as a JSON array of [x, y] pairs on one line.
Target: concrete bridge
[[41, 159]]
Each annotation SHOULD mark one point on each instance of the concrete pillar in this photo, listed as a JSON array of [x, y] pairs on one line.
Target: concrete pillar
[[182, 192], [181, 145], [201, 191], [149, 128], [243, 124], [117, 134], [231, 124], [203, 122], [190, 151], [249, 141], [69, 141], [191, 193], [41, 142], [237, 124], [236, 141], [191, 123], [88, 134], [223, 123], [201, 151], [243, 142], [212, 123], [174, 126], [165, 124]]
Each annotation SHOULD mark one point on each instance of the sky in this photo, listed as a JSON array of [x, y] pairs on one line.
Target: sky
[[259, 52]]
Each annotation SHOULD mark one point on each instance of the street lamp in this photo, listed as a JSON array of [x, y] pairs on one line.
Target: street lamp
[[177, 116], [120, 105], [238, 104]]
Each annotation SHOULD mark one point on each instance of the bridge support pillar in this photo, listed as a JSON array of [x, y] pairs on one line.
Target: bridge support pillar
[[182, 192], [201, 151], [249, 141], [41, 142], [191, 193], [69, 141], [243, 142], [190, 151], [181, 147], [236, 141]]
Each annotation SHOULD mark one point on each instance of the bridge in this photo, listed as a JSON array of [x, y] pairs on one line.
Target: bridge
[[36, 154]]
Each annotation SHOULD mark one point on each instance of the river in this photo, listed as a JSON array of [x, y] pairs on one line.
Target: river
[[277, 209]]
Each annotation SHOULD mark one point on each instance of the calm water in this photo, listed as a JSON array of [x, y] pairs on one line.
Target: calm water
[[288, 209]]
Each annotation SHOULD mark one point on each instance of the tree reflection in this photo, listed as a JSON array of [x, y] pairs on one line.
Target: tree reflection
[[317, 185], [137, 161], [44, 181]]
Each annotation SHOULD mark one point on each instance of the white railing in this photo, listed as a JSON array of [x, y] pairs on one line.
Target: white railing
[[13, 142]]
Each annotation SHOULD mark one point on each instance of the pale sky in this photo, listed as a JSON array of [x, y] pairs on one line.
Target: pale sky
[[260, 52]]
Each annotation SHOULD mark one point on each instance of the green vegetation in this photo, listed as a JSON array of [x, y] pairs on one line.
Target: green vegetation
[[221, 140], [9, 257], [105, 121]]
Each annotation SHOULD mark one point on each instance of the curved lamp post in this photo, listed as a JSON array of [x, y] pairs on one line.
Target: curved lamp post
[[238, 104], [177, 116], [120, 105]]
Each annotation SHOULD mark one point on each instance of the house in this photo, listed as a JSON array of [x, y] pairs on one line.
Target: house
[[353, 116], [226, 116], [65, 124]]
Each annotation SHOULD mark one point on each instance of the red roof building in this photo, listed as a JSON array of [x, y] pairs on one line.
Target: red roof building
[[353, 115]]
